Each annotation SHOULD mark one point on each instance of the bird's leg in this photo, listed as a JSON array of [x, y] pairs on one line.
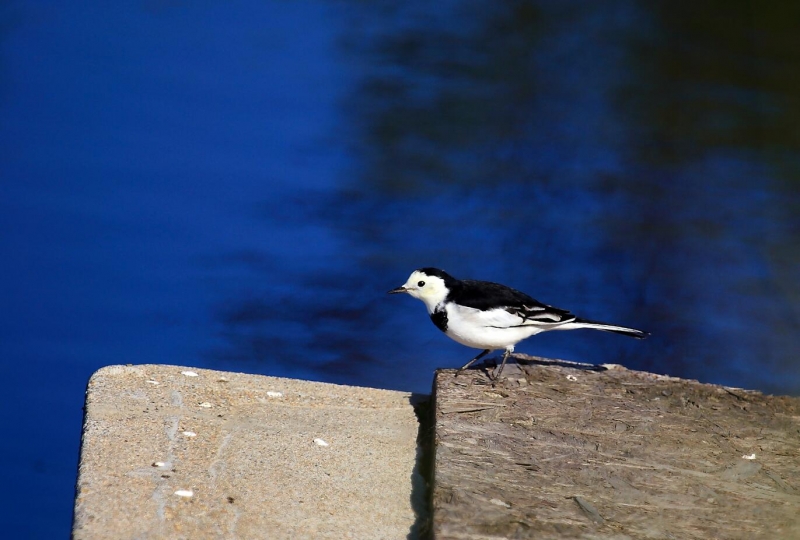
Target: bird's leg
[[465, 366], [503, 364]]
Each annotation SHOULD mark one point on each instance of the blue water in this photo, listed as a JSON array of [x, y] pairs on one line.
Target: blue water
[[237, 185]]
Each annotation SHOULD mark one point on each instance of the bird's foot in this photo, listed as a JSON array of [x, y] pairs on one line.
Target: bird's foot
[[465, 366]]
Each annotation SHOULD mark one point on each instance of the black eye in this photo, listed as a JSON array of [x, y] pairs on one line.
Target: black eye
[[420, 284]]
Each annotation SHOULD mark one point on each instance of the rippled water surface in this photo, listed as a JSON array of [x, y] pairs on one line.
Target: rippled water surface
[[237, 185]]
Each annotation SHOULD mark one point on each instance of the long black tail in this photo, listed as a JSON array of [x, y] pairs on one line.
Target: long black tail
[[605, 327]]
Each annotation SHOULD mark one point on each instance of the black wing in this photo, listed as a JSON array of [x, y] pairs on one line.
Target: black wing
[[485, 295]]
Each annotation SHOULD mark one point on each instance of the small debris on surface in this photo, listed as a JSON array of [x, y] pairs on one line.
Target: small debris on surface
[[609, 367], [189, 374], [206, 405], [159, 464], [189, 434], [274, 394], [320, 442], [590, 510], [498, 502], [184, 493], [154, 383], [751, 456], [572, 378]]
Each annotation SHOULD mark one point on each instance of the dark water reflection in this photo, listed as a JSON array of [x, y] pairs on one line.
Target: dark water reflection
[[636, 163], [237, 187]]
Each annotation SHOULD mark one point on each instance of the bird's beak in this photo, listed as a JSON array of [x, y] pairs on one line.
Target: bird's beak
[[398, 290]]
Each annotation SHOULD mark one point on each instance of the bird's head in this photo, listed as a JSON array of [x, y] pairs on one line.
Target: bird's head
[[428, 285]]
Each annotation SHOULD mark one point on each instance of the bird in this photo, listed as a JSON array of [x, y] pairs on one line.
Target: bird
[[490, 316]]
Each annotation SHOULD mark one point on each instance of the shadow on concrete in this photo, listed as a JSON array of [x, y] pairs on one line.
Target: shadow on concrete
[[422, 475]]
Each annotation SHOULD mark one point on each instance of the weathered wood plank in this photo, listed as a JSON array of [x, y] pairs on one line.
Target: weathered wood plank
[[556, 451]]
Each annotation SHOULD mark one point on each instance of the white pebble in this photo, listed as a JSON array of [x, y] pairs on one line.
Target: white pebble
[[320, 442], [751, 456], [206, 405], [154, 383], [274, 394], [184, 493], [572, 378], [189, 434], [189, 373], [498, 502]]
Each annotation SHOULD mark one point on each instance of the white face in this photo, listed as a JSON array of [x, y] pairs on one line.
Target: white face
[[429, 289]]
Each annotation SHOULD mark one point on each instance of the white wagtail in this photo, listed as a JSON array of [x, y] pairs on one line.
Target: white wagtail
[[490, 316]]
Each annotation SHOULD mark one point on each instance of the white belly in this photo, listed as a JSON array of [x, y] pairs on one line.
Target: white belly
[[496, 329]]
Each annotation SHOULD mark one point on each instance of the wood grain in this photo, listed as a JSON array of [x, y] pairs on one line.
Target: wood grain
[[561, 450]]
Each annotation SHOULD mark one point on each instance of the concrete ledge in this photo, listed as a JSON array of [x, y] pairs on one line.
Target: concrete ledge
[[174, 452]]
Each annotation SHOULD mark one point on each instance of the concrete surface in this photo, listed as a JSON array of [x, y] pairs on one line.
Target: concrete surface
[[175, 452], [559, 450]]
